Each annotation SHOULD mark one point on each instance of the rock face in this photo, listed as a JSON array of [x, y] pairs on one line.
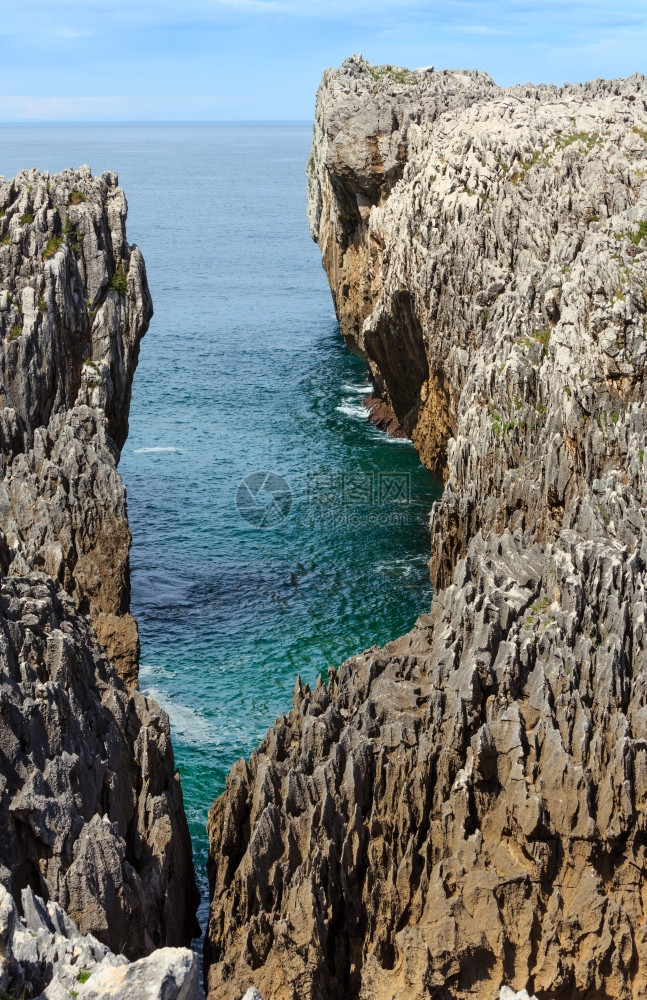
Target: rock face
[[44, 955], [464, 810], [74, 305], [91, 811], [364, 120]]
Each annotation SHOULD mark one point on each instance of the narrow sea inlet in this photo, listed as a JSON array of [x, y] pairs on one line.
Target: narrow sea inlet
[[243, 371]]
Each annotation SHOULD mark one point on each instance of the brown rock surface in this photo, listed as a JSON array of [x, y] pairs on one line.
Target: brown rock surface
[[91, 812], [465, 808], [383, 416]]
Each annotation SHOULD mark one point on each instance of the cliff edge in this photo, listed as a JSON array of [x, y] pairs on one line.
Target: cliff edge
[[91, 813], [465, 808]]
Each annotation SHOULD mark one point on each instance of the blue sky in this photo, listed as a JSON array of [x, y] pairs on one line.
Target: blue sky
[[83, 60]]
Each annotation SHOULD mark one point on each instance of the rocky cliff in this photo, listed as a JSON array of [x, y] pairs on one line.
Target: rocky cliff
[[465, 808], [91, 811]]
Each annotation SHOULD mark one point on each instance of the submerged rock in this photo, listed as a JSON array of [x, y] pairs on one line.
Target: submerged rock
[[91, 813], [464, 810]]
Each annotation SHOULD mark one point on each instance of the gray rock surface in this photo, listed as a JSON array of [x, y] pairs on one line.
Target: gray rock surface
[[464, 810], [74, 305], [90, 805], [91, 812], [74, 301], [365, 119], [44, 955], [63, 511]]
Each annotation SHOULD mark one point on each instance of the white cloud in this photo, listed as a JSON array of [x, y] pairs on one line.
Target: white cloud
[[206, 11], [58, 109], [72, 33], [476, 17], [189, 107], [478, 29]]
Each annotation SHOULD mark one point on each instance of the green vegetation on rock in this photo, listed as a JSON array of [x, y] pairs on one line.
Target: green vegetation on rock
[[52, 246], [119, 281]]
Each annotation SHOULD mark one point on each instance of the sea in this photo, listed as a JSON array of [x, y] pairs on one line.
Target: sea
[[276, 532]]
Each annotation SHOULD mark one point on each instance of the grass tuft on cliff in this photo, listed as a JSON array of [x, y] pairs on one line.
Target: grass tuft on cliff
[[119, 281], [394, 73], [53, 246], [76, 239]]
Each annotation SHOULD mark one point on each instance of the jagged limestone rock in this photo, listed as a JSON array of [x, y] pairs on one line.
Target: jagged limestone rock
[[364, 121], [74, 301], [90, 805], [44, 955], [63, 511], [91, 812], [464, 810], [74, 305]]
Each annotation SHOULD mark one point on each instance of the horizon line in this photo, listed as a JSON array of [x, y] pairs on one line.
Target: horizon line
[[158, 121]]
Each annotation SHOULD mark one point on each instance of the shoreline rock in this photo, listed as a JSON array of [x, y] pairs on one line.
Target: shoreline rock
[[462, 811], [74, 306], [383, 416], [91, 812]]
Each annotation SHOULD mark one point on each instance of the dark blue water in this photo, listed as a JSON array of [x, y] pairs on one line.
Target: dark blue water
[[243, 371]]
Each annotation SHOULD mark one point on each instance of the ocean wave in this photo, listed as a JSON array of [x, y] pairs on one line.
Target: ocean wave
[[365, 389], [188, 725], [356, 410], [392, 440], [146, 672], [403, 567], [143, 451], [383, 437]]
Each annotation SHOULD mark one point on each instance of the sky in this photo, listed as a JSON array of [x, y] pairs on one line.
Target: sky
[[218, 60]]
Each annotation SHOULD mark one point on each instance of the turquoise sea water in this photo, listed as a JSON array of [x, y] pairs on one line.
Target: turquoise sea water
[[243, 371]]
